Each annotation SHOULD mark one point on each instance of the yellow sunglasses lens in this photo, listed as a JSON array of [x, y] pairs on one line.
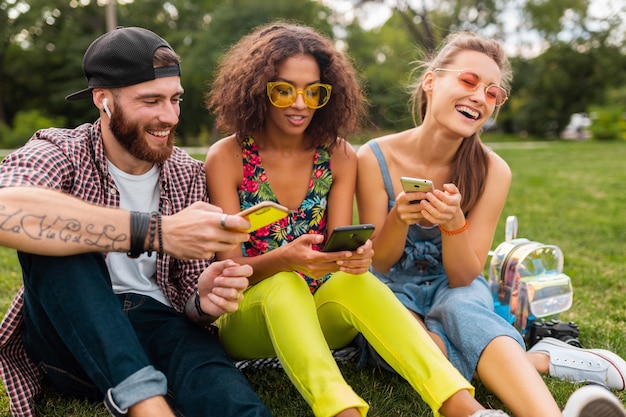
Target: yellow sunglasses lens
[[283, 94]]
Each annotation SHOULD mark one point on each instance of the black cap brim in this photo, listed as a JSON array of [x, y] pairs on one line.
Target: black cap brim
[[79, 95]]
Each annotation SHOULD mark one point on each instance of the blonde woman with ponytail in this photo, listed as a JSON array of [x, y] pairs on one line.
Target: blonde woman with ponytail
[[430, 247]]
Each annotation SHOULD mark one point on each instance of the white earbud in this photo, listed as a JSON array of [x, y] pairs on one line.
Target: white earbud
[[106, 107]]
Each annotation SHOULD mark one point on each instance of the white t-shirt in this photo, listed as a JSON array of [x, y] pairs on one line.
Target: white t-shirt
[[137, 193]]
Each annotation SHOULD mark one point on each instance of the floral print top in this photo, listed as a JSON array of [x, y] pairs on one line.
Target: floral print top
[[309, 217]]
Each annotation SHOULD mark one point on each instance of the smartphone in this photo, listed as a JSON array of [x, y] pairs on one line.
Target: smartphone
[[262, 214], [410, 185], [348, 237]]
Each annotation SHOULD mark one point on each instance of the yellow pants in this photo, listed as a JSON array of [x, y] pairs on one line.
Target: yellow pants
[[279, 317]]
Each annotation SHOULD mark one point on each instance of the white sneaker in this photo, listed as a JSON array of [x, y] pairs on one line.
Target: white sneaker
[[489, 413], [593, 401], [575, 364]]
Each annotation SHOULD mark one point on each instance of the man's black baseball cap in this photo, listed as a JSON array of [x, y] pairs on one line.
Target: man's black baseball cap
[[123, 57]]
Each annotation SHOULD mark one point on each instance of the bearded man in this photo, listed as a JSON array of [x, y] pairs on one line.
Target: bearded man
[[114, 234]]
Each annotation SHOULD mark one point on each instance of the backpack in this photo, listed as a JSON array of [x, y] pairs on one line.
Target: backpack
[[527, 280]]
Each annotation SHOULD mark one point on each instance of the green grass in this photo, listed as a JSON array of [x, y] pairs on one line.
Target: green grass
[[566, 193]]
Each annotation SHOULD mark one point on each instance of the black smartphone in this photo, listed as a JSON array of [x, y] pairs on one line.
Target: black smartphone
[[348, 237]]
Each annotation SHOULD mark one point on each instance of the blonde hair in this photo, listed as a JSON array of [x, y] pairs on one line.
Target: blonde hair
[[470, 164]]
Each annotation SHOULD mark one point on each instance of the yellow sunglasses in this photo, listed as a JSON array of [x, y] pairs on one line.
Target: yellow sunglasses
[[283, 94]]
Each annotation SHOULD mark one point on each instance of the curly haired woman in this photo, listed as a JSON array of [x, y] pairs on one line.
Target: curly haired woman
[[287, 96]]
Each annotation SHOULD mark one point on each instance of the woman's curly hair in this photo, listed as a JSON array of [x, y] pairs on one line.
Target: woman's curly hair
[[238, 94]]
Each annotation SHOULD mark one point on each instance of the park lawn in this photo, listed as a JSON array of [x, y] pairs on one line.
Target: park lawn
[[565, 193]]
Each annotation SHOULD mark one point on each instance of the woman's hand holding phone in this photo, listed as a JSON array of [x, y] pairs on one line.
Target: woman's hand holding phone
[[360, 261], [350, 238], [412, 185], [408, 207], [445, 207], [300, 255]]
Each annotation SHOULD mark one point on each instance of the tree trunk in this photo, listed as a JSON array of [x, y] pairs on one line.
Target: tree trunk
[[111, 17], [3, 116]]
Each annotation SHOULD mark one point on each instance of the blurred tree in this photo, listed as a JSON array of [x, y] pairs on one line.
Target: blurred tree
[[21, 25], [427, 23], [609, 120], [548, 17], [43, 41], [562, 81], [581, 64], [382, 57], [574, 22]]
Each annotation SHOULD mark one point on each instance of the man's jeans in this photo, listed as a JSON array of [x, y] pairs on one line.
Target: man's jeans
[[89, 342]]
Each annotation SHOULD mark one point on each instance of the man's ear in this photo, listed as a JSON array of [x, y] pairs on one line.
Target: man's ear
[[100, 101]]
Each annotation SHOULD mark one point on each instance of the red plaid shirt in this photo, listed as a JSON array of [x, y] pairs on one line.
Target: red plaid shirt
[[73, 161]]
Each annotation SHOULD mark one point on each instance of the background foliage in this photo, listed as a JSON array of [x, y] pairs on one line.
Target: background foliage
[[575, 63]]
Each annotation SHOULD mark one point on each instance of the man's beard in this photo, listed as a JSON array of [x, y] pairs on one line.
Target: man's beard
[[131, 136]]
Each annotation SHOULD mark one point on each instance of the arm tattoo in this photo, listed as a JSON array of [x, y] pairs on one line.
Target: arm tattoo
[[41, 227]]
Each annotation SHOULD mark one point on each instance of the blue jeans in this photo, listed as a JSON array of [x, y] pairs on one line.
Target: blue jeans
[[90, 343]]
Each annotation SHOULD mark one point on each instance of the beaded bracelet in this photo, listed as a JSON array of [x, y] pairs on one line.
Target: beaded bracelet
[[455, 232], [160, 232], [138, 231], [153, 227], [197, 304]]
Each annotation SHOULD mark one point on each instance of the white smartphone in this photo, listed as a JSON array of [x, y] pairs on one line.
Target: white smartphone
[[262, 214], [410, 185], [348, 237]]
